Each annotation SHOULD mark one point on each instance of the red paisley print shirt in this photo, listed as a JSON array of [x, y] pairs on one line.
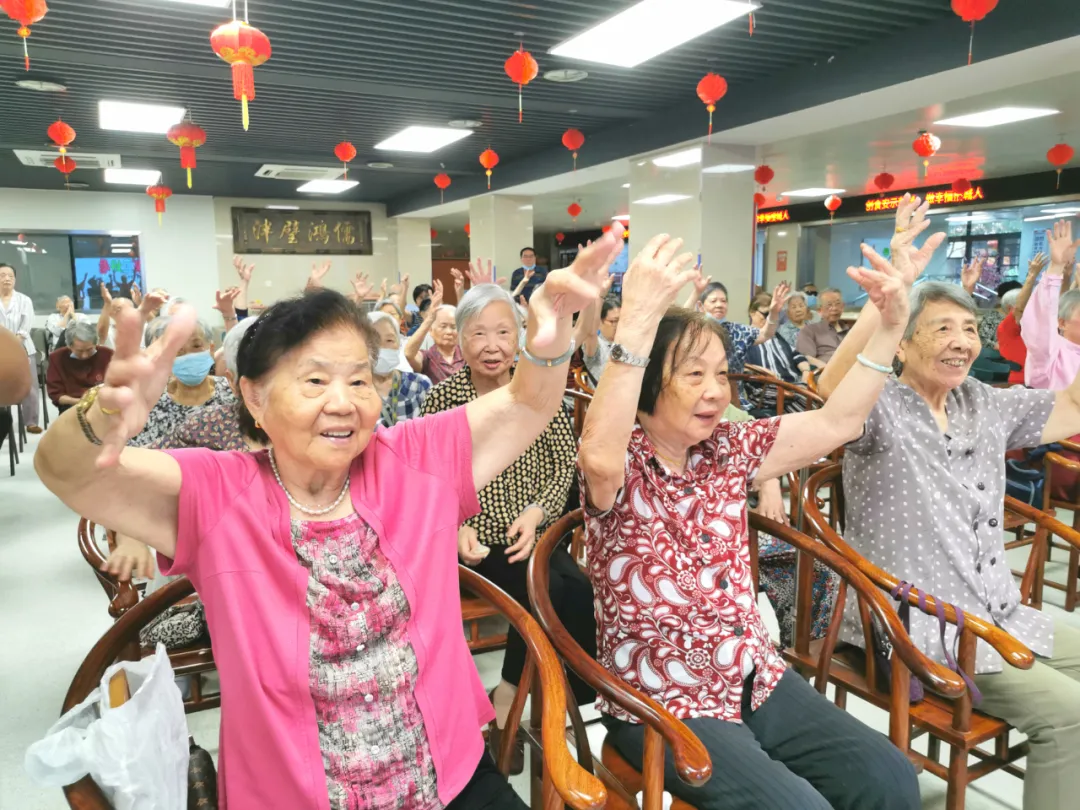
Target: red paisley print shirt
[[676, 606]]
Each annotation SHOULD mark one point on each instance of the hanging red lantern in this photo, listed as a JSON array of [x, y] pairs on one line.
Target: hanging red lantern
[[468, 229], [832, 202], [710, 90], [489, 160], [434, 234], [926, 146], [884, 181], [605, 229], [763, 175], [188, 136], [442, 180], [971, 11], [25, 13], [244, 47], [559, 237], [160, 194], [522, 69], [573, 140], [345, 152], [1059, 156], [65, 166], [759, 200], [961, 185], [61, 134], [574, 210]]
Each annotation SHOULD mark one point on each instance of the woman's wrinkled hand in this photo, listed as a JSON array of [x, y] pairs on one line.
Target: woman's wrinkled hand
[[887, 286], [654, 279], [911, 221], [129, 558], [771, 502], [469, 548]]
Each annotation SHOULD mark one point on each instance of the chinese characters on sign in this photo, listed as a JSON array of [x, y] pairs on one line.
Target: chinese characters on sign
[[933, 197], [781, 261], [768, 217], [259, 230]]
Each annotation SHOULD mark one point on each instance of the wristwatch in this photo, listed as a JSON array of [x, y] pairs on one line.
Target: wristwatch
[[619, 354]]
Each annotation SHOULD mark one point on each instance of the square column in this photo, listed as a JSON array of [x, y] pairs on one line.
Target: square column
[[413, 251], [500, 227]]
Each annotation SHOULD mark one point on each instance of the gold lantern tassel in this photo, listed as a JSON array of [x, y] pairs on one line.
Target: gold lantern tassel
[[712, 109], [189, 178], [575, 161], [159, 219], [489, 179]]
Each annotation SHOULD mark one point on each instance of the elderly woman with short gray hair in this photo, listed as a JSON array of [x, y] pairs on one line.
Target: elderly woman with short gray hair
[[76, 367], [444, 358], [521, 502], [925, 486]]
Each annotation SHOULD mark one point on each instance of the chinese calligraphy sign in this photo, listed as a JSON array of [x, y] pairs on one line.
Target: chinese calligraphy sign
[[264, 230]]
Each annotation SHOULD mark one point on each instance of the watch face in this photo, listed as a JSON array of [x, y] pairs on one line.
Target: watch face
[[616, 352]]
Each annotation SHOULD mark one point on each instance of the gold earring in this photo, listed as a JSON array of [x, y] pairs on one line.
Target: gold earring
[[257, 425]]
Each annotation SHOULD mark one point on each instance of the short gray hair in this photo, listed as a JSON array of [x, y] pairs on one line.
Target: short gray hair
[[158, 326], [931, 291], [83, 331], [1008, 301], [231, 346], [800, 295], [376, 316], [828, 290], [388, 302], [1068, 304], [479, 298]]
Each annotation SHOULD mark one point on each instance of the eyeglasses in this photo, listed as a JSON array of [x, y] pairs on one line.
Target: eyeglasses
[[764, 313]]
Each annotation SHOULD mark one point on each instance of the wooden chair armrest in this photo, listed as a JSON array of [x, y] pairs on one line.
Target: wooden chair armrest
[[1069, 445], [939, 678], [576, 786], [692, 761], [1008, 647], [1043, 519], [1061, 461]]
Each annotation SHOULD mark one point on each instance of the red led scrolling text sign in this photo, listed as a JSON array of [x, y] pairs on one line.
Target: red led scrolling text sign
[[768, 217], [932, 197]]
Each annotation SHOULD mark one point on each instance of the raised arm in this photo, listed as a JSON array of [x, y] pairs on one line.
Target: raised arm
[[700, 283], [649, 288], [780, 298], [103, 318], [244, 271], [1035, 266], [1039, 324], [416, 339], [505, 422]]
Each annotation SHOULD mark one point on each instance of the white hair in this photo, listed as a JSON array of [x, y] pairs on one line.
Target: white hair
[[479, 298], [83, 331], [1008, 301], [231, 346], [930, 291], [158, 326]]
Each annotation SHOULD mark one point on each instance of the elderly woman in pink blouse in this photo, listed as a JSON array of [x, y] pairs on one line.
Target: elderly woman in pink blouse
[[327, 565], [1051, 321]]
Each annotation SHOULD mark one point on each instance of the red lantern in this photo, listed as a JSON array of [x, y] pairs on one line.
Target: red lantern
[[764, 175], [468, 229], [926, 146], [970, 11], [759, 200], [65, 166], [489, 160], [961, 186], [442, 180], [25, 13], [1059, 156], [559, 237], [61, 134], [434, 233], [832, 202], [884, 181], [710, 90], [605, 229], [345, 152], [188, 136], [574, 210], [160, 194], [522, 69], [244, 47], [573, 140]]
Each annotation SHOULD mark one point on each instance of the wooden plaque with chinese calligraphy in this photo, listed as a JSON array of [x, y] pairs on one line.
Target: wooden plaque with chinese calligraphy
[[265, 230]]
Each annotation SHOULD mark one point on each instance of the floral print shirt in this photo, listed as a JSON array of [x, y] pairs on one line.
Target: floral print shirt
[[214, 426], [168, 414]]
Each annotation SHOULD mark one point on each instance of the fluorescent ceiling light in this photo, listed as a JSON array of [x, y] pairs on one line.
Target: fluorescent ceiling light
[[125, 245], [132, 177], [1049, 216], [650, 28], [213, 3], [128, 117], [812, 192], [677, 159], [729, 168], [282, 207], [1065, 209], [969, 218], [620, 217], [995, 118], [626, 185], [662, 199], [328, 186], [781, 233], [123, 233], [423, 139], [525, 208]]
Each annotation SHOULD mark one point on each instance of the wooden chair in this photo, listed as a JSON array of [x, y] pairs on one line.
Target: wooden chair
[[582, 401], [474, 610], [943, 717], [584, 381], [558, 780]]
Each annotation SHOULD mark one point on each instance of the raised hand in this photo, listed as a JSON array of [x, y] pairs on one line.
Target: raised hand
[[226, 302], [136, 295], [1062, 247], [362, 286], [136, 379], [151, 303], [887, 286], [780, 297], [318, 273], [382, 290], [242, 269], [701, 281], [106, 296], [436, 297], [970, 275], [654, 279], [1037, 263], [910, 222], [459, 282], [478, 274], [529, 274]]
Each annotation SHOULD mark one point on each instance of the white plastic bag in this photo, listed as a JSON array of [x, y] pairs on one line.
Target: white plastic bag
[[137, 753]]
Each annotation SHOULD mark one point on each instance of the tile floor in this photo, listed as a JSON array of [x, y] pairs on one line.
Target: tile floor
[[54, 611]]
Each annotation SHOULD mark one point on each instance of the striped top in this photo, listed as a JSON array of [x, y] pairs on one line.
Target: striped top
[[18, 316]]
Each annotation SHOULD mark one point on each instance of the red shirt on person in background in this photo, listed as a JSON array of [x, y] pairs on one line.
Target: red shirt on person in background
[[72, 377], [1011, 346]]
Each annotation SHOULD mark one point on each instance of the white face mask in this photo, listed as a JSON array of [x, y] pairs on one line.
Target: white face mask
[[389, 359]]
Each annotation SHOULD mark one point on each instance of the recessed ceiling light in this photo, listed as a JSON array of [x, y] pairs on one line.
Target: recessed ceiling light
[[128, 117], [662, 199], [812, 192], [525, 208], [677, 159], [380, 164], [1061, 210], [422, 139], [282, 207], [620, 217], [781, 233], [132, 177], [1048, 216], [465, 123], [997, 117], [328, 186], [649, 28], [40, 82], [728, 168], [626, 185], [213, 3], [566, 75]]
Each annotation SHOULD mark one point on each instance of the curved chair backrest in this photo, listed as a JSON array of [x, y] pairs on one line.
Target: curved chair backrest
[[784, 390], [582, 401], [584, 380], [92, 538]]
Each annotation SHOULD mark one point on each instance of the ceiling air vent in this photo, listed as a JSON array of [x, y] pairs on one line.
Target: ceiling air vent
[[298, 173], [85, 160]]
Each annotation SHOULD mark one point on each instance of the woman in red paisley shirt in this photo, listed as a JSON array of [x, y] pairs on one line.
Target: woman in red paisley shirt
[[664, 482]]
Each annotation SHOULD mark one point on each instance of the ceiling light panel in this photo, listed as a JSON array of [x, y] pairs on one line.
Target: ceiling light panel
[[662, 199], [997, 117], [650, 28], [729, 168], [422, 139], [813, 192], [211, 3], [328, 186], [132, 177], [1048, 217], [127, 117], [687, 157]]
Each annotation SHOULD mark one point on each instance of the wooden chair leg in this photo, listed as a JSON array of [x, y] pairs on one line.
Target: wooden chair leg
[[1071, 580], [933, 748], [958, 779], [840, 698]]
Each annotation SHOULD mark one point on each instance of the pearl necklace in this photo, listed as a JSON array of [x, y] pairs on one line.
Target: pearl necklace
[[306, 510]]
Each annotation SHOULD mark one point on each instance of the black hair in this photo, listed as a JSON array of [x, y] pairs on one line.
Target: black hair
[[610, 303], [710, 288], [425, 305], [524, 249], [288, 324], [420, 289], [681, 332], [14, 272], [1006, 286]]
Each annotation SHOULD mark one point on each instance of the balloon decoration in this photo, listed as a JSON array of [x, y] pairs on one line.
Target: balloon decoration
[[759, 200], [62, 135], [345, 152], [468, 229], [574, 210], [160, 194], [763, 175], [522, 69], [971, 11], [961, 185], [442, 180], [884, 181], [489, 160], [710, 90], [926, 146], [832, 202], [188, 136], [65, 166], [1059, 156], [559, 237], [244, 47], [573, 140], [25, 13]]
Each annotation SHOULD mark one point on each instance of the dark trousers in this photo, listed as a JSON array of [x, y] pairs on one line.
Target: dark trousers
[[487, 790], [571, 595], [797, 752]]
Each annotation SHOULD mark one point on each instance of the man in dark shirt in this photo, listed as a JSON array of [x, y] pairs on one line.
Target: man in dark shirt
[[527, 278], [77, 367]]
